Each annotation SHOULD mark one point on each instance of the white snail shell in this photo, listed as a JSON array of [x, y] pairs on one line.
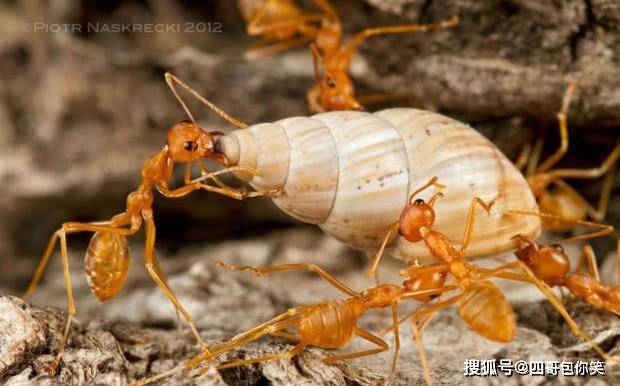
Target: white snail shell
[[351, 174]]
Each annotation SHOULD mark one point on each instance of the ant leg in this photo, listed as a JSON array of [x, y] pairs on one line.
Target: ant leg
[[73, 227], [535, 157], [285, 335], [274, 324], [396, 339], [524, 156], [255, 27], [260, 271], [70, 301], [171, 79], [365, 34], [588, 255], [375, 262], [204, 172], [603, 228], [187, 189], [153, 267], [425, 367], [328, 9], [383, 346], [561, 116], [52, 243], [596, 172], [427, 312], [471, 216], [262, 52], [530, 277], [212, 175], [267, 358]]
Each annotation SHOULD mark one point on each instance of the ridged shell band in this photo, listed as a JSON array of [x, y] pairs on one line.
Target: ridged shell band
[[352, 172]]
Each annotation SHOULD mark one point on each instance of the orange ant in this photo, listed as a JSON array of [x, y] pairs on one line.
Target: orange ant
[[330, 324], [483, 307], [564, 201], [107, 258], [334, 89], [280, 21], [551, 265]]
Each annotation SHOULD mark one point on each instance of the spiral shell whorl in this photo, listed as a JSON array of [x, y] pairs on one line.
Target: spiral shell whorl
[[351, 173]]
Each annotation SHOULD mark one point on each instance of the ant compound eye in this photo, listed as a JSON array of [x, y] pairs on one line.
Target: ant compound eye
[[330, 83], [558, 248], [419, 201], [190, 146]]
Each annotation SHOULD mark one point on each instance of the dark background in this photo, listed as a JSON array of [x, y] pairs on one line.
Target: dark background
[[80, 112]]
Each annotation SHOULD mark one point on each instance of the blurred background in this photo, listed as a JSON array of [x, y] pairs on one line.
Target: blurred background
[[81, 108]]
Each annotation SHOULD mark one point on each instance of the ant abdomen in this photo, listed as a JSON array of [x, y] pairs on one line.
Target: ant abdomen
[[106, 264], [485, 309], [328, 325]]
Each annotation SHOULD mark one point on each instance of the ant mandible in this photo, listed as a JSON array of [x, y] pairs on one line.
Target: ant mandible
[[483, 307], [107, 258], [329, 324], [564, 201]]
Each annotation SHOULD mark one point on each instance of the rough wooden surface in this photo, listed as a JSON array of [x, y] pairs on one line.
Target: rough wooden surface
[[135, 334]]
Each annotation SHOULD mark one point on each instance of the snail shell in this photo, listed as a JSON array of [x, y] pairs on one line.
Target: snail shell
[[351, 173]]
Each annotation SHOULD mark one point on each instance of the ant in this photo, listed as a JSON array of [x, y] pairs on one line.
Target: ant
[[329, 324], [280, 21], [552, 265], [283, 21], [483, 307], [564, 201], [334, 88], [107, 258]]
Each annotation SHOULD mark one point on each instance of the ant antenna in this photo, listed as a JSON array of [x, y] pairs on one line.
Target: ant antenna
[[171, 79], [435, 197], [326, 7], [431, 182], [319, 59]]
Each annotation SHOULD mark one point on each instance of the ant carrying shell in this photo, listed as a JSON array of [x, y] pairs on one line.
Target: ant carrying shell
[[107, 259], [329, 324]]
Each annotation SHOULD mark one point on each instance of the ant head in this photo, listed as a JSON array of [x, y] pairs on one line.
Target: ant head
[[416, 216], [187, 142], [549, 263], [337, 93]]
